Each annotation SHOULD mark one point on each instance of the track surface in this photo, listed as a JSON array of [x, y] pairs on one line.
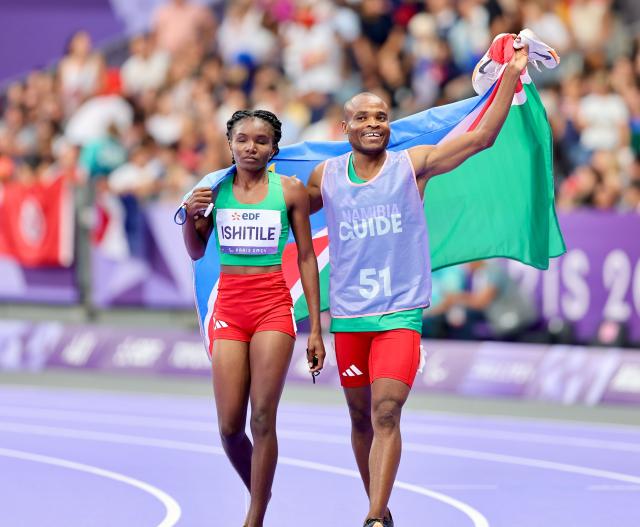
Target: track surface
[[94, 458]]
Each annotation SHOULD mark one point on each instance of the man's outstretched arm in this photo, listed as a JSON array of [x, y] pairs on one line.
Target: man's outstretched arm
[[433, 160]]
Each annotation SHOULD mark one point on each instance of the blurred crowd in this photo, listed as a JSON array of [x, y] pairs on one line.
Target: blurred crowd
[[148, 126], [128, 128]]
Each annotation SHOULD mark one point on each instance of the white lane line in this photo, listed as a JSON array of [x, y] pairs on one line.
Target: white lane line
[[416, 447], [570, 441], [474, 515], [614, 488], [108, 418], [509, 419], [200, 426], [69, 392], [475, 454], [172, 509], [465, 431], [523, 461]]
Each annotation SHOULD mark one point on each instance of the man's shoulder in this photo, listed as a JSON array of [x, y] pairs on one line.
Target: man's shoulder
[[290, 183]]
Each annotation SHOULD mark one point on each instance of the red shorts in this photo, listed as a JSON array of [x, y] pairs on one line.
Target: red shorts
[[364, 357], [247, 304]]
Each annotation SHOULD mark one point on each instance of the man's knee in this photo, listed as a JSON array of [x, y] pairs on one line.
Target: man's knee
[[360, 418], [386, 414]]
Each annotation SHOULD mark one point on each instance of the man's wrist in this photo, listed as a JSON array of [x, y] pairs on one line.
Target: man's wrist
[[512, 70]]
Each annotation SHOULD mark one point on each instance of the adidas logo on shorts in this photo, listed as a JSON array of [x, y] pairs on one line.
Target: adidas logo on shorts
[[352, 371], [221, 324]]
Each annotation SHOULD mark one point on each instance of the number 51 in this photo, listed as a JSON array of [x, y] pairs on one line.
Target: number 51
[[370, 279]]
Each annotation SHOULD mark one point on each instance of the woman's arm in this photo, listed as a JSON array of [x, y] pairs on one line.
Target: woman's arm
[[298, 206], [197, 229]]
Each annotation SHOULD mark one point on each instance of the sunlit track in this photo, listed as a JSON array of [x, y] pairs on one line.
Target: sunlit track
[[461, 471]]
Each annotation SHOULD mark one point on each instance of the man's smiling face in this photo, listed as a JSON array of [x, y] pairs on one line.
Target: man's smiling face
[[367, 123]]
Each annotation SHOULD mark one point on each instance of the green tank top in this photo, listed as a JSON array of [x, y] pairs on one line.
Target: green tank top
[[251, 233], [408, 319]]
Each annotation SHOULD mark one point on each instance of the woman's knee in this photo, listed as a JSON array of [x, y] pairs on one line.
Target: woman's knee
[[231, 431], [263, 422]]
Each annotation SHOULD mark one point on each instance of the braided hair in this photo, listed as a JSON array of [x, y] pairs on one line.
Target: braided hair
[[266, 116]]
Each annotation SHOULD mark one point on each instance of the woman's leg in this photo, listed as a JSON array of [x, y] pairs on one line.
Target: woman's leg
[[270, 355], [231, 379]]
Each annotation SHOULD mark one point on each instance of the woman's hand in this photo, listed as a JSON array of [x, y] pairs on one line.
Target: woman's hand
[[315, 348], [198, 202]]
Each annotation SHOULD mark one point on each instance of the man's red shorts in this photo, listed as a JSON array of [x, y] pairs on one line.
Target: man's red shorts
[[247, 304], [364, 357]]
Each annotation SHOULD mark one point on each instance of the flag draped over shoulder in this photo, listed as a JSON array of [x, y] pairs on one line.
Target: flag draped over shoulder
[[498, 203]]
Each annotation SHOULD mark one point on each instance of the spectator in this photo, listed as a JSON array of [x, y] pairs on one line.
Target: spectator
[[631, 198], [493, 297], [243, 37], [101, 156], [602, 116], [146, 68], [176, 179], [411, 53], [469, 36], [445, 282], [166, 124], [547, 24], [179, 24], [80, 71], [133, 182], [135, 177], [314, 68]]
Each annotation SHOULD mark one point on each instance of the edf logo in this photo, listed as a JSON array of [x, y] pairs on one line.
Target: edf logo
[[250, 215]]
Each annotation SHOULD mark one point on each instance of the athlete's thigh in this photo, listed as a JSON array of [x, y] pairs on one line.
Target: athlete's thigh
[[352, 356], [395, 354], [269, 356], [231, 379]]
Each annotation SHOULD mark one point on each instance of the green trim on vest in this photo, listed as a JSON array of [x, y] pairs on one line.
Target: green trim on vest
[[274, 200]]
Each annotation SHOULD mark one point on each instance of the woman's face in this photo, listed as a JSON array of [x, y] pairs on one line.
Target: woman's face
[[81, 44], [252, 143]]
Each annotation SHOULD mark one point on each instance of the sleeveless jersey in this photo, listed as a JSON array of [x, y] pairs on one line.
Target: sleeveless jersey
[[251, 234], [378, 248]]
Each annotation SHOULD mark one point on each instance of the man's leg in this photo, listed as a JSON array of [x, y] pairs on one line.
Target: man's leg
[[352, 355], [359, 403], [388, 397], [394, 361]]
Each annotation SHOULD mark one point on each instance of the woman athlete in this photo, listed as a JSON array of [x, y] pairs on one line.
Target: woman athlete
[[254, 325]]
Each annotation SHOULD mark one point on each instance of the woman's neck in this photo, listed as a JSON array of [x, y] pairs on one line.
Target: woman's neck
[[250, 178]]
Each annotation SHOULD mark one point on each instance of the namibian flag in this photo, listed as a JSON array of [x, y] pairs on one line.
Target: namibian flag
[[499, 203]]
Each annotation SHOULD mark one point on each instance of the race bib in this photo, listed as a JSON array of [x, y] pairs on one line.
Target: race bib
[[248, 231]]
